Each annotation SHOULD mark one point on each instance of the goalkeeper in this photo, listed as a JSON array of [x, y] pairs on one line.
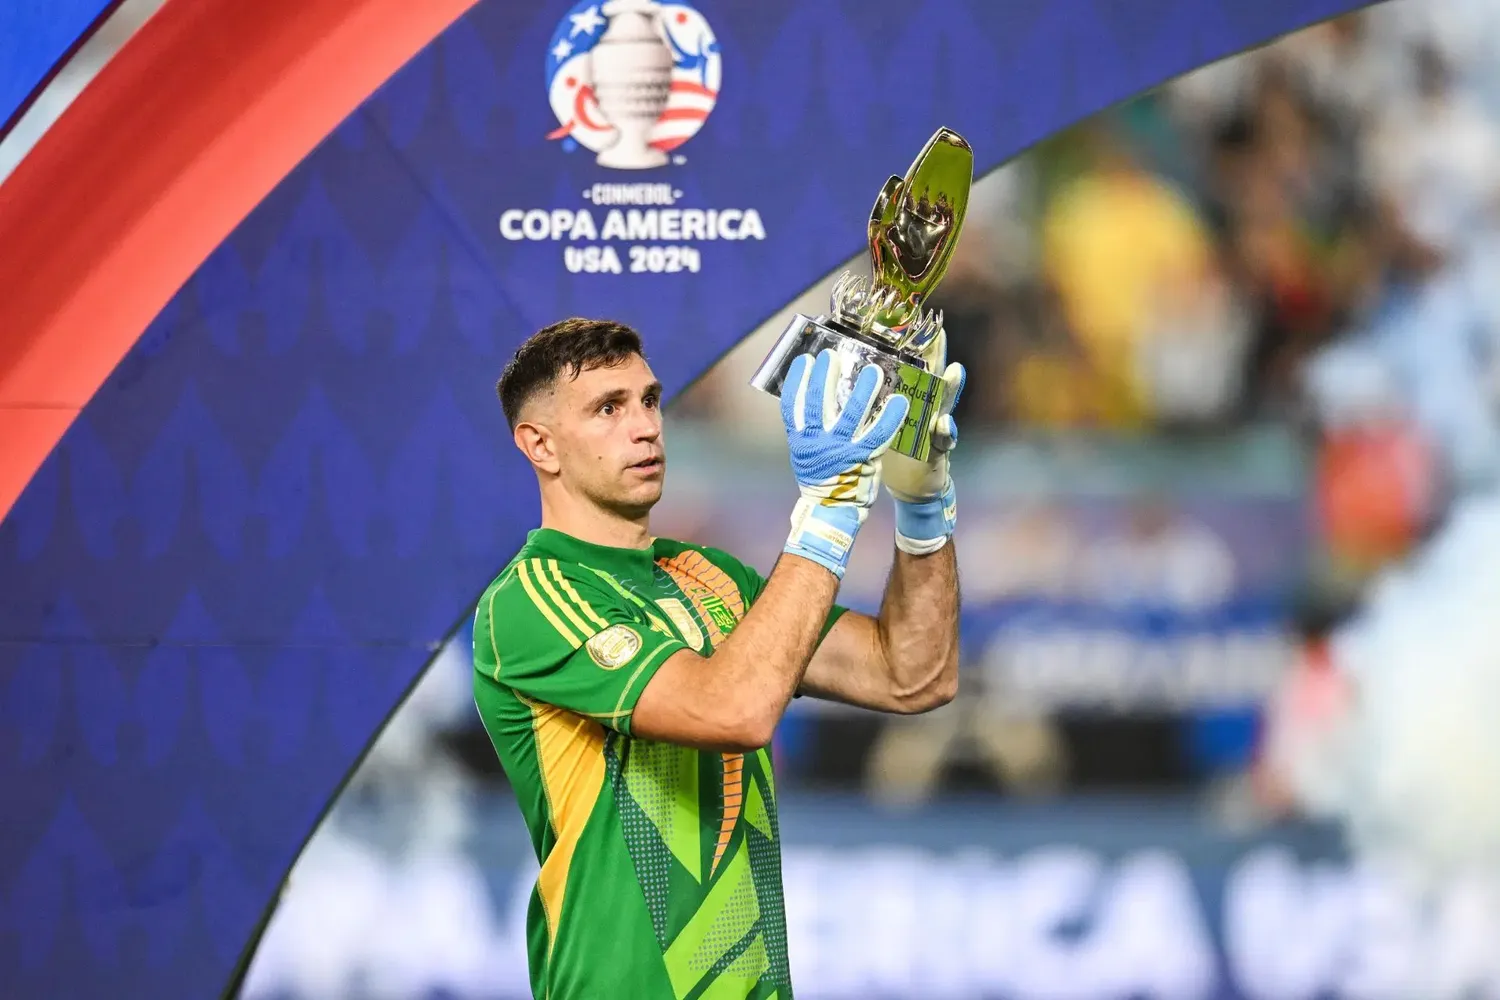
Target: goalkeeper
[[631, 684]]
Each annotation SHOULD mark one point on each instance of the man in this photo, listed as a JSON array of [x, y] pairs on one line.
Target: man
[[631, 684]]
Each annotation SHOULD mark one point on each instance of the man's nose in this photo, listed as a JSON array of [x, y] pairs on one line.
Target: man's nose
[[647, 424]]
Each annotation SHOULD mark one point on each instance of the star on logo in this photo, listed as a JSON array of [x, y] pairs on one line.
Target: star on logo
[[587, 21], [562, 49]]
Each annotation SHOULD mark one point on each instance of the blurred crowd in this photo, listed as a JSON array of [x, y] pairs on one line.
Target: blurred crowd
[[1184, 260], [1187, 259], [1297, 235]]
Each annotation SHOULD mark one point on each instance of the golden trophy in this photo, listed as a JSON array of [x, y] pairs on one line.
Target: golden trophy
[[913, 229]]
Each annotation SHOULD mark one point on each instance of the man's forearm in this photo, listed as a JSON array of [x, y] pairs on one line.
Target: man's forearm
[[759, 666], [918, 628], [732, 700]]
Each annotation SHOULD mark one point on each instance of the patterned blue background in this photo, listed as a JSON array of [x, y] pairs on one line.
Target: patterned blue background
[[221, 583]]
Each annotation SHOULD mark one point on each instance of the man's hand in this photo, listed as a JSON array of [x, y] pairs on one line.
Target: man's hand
[[926, 502], [835, 466]]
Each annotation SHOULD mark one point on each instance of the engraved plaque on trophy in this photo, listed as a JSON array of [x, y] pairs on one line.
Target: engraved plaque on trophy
[[913, 229]]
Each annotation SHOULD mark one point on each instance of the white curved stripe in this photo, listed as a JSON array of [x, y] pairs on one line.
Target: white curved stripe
[[69, 82]]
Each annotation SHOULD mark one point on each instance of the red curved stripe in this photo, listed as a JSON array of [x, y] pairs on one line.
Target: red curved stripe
[[682, 114], [192, 123], [581, 108], [689, 87]]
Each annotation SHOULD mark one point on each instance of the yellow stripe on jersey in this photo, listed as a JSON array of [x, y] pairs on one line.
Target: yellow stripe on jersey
[[605, 715], [539, 573], [567, 588], [570, 752], [542, 605], [494, 647]]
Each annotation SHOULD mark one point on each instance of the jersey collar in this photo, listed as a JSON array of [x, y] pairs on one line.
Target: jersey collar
[[570, 549]]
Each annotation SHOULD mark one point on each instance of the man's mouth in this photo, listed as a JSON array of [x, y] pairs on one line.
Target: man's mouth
[[648, 465]]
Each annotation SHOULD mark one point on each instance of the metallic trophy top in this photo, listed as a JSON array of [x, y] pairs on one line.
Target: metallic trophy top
[[914, 227]]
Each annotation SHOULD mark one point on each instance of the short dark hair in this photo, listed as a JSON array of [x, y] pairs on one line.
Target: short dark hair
[[571, 346]]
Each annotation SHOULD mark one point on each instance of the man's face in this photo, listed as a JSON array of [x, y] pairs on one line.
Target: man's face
[[601, 434]]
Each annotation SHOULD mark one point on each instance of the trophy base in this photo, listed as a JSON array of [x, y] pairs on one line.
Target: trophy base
[[631, 156], [902, 373]]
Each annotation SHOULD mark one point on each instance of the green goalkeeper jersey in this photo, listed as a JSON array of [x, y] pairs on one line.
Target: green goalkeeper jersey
[[660, 865]]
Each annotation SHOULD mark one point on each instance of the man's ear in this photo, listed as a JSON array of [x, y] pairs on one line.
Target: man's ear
[[536, 443]]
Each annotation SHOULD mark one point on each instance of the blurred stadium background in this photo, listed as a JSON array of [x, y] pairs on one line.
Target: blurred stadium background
[[1230, 445]]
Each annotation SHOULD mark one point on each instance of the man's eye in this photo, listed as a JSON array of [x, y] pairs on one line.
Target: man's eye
[[652, 402], [608, 409]]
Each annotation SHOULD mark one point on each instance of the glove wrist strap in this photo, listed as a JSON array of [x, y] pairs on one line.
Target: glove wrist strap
[[824, 533], [924, 526]]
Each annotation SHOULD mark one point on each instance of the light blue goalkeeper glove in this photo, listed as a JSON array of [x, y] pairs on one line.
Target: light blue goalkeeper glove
[[833, 461], [926, 502]]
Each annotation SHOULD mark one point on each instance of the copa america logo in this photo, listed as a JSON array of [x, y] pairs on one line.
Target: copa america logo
[[631, 80]]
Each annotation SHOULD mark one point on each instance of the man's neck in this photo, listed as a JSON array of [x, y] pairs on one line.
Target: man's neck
[[598, 527]]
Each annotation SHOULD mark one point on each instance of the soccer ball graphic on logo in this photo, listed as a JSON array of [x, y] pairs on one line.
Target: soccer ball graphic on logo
[[631, 80]]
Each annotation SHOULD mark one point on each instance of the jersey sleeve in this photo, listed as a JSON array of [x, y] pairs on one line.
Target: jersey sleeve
[[552, 633], [751, 584]]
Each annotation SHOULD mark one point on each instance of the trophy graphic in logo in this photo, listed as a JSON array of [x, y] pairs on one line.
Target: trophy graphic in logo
[[913, 229], [631, 80], [632, 71]]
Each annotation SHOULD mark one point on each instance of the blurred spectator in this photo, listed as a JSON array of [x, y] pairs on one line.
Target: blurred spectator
[[1434, 152], [1374, 489], [1192, 354], [1117, 242], [1344, 69], [1297, 759], [1049, 380], [971, 298]]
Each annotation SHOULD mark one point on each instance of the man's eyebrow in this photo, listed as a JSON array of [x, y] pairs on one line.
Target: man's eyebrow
[[615, 395], [607, 396]]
